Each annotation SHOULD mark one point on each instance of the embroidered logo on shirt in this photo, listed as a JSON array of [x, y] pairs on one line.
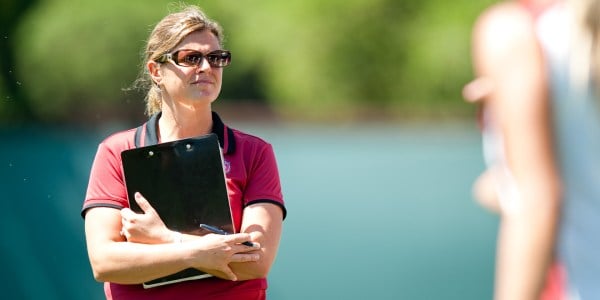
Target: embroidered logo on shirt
[[226, 166]]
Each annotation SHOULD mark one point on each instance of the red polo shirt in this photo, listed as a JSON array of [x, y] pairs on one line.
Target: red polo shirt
[[252, 177]]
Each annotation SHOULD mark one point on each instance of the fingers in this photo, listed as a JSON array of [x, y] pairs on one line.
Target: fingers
[[245, 257], [477, 90], [230, 275], [127, 214], [143, 203], [243, 238], [485, 192]]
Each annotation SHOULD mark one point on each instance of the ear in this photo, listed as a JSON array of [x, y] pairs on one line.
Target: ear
[[154, 70]]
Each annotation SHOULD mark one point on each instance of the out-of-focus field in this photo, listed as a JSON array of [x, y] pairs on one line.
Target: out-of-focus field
[[374, 212]]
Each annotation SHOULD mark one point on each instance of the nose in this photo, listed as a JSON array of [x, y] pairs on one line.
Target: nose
[[203, 66]]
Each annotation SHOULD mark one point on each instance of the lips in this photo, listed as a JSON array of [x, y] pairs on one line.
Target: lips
[[202, 81]]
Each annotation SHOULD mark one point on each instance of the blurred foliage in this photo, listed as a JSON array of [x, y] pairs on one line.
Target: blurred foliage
[[75, 57], [12, 100], [307, 59]]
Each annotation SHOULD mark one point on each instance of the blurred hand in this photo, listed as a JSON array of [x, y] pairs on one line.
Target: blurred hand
[[146, 227], [485, 193], [477, 90]]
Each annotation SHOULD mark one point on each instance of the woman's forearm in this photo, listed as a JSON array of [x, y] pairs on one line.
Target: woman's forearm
[[264, 223], [132, 263], [525, 249], [114, 259]]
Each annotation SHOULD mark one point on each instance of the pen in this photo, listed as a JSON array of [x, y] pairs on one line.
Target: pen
[[216, 230]]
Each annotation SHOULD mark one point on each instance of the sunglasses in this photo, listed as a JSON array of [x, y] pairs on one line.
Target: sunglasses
[[193, 58]]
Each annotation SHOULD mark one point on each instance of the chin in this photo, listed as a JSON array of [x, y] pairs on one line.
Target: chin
[[203, 96]]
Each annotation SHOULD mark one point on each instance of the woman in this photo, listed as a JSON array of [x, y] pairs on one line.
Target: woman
[[538, 69], [183, 68]]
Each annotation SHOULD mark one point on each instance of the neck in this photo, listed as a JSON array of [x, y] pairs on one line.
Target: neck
[[184, 122]]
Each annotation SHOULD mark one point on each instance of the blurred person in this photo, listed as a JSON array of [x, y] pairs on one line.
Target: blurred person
[[537, 66], [183, 72]]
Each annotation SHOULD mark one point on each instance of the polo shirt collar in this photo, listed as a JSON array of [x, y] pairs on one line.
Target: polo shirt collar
[[223, 132]]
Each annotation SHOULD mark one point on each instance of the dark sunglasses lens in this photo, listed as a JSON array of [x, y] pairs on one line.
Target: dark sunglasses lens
[[188, 58], [219, 58]]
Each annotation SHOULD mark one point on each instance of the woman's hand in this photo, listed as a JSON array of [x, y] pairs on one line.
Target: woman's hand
[[214, 253], [145, 228]]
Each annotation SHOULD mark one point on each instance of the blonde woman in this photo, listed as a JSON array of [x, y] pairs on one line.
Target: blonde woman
[[537, 67], [183, 69]]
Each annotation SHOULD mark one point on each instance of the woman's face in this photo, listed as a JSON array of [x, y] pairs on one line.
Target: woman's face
[[200, 84]]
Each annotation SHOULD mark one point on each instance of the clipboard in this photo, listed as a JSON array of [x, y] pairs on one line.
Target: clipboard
[[185, 182]]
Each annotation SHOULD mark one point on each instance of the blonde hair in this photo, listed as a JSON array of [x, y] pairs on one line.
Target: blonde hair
[[165, 36], [586, 48]]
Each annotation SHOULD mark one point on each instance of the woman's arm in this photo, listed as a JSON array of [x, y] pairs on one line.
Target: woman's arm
[[261, 224], [506, 53], [114, 259], [263, 221]]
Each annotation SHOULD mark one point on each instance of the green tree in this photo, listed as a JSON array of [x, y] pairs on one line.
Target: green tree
[[13, 105], [318, 58], [306, 58]]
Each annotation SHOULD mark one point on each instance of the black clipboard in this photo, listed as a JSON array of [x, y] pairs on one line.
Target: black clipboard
[[185, 182]]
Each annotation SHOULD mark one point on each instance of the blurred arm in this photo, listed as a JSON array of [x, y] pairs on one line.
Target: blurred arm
[[506, 53]]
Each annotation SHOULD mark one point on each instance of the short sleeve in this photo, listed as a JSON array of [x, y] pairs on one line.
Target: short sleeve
[[106, 187], [263, 184]]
